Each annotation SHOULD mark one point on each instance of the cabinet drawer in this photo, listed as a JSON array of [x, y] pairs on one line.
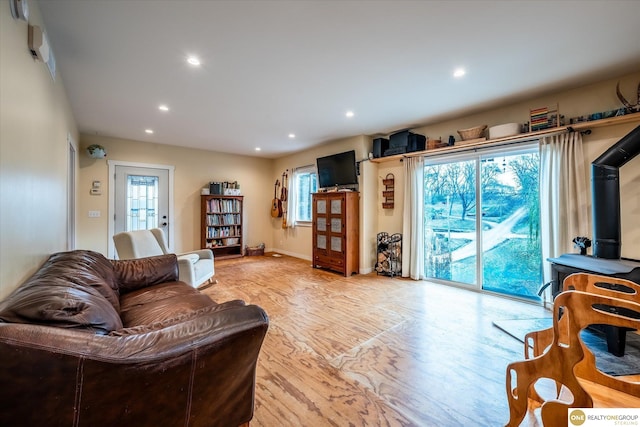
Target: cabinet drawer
[[330, 262]]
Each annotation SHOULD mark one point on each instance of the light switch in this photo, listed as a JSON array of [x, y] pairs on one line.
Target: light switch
[[94, 214], [96, 188]]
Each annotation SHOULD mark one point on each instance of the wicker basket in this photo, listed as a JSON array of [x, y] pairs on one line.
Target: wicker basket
[[472, 133], [254, 251]]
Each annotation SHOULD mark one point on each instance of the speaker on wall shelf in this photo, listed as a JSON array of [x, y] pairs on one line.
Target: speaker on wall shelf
[[380, 145], [408, 141], [417, 142]]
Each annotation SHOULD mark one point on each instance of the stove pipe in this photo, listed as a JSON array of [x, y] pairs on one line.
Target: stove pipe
[[605, 193]]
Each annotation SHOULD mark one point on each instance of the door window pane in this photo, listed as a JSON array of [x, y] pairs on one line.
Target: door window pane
[[450, 224], [511, 251], [142, 202]]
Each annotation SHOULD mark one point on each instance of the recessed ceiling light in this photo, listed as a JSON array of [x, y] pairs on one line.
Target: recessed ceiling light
[[193, 60], [149, 131], [163, 107], [349, 114], [459, 72], [292, 135], [258, 148]]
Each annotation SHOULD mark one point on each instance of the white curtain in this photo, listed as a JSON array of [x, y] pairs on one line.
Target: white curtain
[[413, 219], [292, 199], [564, 209]]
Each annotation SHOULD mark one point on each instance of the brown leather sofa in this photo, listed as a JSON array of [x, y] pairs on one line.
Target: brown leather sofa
[[88, 341]]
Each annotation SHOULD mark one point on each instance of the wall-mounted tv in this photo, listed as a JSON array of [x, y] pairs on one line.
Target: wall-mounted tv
[[337, 170]]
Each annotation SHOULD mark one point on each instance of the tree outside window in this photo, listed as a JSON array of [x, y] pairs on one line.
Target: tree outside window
[[306, 183]]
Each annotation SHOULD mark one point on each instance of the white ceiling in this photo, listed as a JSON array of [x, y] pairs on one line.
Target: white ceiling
[[270, 68]]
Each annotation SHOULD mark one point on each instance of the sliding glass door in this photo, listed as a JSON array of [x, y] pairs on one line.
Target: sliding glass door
[[451, 248], [482, 221], [511, 251]]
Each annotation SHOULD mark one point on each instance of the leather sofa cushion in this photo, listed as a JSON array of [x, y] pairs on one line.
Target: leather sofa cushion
[[133, 274], [160, 303], [143, 329], [75, 289]]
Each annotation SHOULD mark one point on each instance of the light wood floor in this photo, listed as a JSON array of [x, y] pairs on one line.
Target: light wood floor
[[371, 350]]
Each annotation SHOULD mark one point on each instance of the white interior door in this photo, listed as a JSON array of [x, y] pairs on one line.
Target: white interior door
[[141, 199]]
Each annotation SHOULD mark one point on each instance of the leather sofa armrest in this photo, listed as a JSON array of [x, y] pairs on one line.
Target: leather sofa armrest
[[209, 327], [132, 274], [203, 367]]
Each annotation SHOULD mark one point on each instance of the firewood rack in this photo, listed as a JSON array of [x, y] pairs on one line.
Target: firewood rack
[[389, 254]]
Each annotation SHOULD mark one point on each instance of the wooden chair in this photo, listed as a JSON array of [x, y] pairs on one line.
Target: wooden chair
[[536, 343], [561, 357]]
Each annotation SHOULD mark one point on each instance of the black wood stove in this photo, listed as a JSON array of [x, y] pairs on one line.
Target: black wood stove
[[567, 264]]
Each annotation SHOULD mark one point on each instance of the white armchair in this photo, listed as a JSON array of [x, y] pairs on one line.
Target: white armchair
[[195, 268]]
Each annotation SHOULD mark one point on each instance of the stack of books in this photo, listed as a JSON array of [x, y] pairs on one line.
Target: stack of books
[[539, 118]]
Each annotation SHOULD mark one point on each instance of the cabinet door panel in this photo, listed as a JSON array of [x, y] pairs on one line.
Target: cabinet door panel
[[336, 225], [336, 244], [321, 206], [336, 206]]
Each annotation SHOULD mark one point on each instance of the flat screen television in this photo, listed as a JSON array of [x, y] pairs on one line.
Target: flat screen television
[[337, 170]]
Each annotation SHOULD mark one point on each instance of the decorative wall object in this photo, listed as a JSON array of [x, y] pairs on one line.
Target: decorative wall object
[[96, 151], [20, 9], [630, 108], [388, 192]]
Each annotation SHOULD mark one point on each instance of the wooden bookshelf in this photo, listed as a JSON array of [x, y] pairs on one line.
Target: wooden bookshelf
[[221, 225]]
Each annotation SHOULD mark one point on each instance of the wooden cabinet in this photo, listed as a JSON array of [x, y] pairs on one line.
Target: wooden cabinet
[[336, 231], [221, 225]]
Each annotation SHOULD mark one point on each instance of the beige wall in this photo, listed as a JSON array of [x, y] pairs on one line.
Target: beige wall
[[586, 100], [35, 120], [194, 169]]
